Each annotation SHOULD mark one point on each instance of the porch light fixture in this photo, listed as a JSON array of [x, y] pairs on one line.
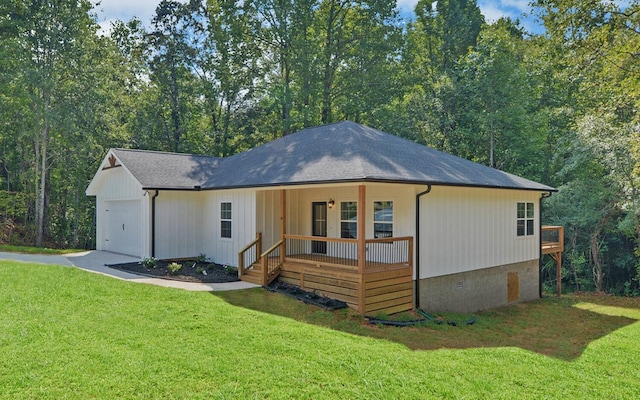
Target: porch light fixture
[[331, 203]]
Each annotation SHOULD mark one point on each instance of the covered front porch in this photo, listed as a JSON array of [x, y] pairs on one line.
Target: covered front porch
[[371, 274]]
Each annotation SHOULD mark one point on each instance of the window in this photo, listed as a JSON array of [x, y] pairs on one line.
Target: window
[[349, 220], [525, 218], [225, 220], [383, 219]]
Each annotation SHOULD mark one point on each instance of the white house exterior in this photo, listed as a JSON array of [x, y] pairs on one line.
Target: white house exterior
[[477, 235]]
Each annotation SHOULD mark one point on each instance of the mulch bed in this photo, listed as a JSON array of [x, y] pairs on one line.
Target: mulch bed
[[306, 297], [191, 271]]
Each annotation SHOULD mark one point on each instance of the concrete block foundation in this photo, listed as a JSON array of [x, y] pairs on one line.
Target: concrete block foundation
[[481, 289]]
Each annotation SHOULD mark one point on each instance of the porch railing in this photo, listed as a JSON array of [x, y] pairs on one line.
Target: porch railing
[[250, 254], [271, 262], [552, 239], [396, 251], [343, 253]]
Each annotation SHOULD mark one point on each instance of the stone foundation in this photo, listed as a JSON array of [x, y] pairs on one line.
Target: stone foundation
[[481, 289]]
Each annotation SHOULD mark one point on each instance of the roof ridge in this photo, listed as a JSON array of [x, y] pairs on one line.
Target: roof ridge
[[165, 152]]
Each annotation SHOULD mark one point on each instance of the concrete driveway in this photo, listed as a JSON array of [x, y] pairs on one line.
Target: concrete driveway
[[97, 261]]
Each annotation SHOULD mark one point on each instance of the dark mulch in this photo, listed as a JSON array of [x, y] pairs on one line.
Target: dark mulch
[[306, 297], [191, 271]]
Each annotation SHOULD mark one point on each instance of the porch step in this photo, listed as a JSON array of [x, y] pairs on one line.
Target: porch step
[[253, 275]]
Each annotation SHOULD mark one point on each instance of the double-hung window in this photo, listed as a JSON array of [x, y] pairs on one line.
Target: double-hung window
[[525, 219], [349, 220], [383, 219], [225, 220]]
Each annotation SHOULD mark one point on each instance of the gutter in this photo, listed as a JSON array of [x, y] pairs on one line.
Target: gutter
[[540, 265], [153, 223], [417, 246]]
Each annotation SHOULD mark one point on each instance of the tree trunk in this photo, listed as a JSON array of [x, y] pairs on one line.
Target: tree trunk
[[41, 158], [598, 272]]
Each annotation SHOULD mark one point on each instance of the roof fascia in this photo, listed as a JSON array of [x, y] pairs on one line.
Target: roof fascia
[[365, 180]]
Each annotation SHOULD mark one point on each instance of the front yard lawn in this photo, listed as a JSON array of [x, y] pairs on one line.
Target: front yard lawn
[[66, 333]]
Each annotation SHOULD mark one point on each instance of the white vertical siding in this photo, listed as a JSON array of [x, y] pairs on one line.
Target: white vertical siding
[[178, 224], [243, 226], [299, 207], [268, 216], [115, 184], [464, 229]]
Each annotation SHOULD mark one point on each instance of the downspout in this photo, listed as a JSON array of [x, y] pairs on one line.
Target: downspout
[[417, 246], [540, 256], [153, 223]]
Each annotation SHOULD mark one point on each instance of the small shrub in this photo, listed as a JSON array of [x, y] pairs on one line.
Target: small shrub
[[229, 270], [201, 258], [149, 262], [174, 267], [200, 270]]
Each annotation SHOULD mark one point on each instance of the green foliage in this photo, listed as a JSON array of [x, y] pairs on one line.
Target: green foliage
[[225, 76], [200, 258], [229, 270], [174, 267], [149, 262]]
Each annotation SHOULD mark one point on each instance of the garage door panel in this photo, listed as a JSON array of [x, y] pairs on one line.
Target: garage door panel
[[124, 227]]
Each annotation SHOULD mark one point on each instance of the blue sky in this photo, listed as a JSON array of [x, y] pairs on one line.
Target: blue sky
[[110, 10]]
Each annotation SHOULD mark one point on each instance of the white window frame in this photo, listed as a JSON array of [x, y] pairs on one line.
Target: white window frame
[[376, 233], [350, 220], [226, 219], [525, 219]]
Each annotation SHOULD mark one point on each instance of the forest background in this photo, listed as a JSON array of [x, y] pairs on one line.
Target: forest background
[[222, 76]]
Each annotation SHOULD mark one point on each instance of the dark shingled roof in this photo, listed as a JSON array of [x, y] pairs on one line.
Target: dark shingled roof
[[340, 152], [158, 170]]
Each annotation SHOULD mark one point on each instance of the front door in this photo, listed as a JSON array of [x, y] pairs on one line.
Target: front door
[[319, 227]]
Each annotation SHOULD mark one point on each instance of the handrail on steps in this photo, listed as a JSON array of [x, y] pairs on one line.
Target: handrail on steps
[[257, 243], [268, 269]]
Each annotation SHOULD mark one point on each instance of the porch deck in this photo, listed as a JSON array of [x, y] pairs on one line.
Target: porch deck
[[382, 282]]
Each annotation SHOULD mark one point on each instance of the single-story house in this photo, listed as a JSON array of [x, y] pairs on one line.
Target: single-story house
[[375, 220]]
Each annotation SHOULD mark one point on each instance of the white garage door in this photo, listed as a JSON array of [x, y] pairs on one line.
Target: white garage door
[[123, 227]]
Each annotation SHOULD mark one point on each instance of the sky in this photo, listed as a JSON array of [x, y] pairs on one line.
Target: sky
[[111, 10]]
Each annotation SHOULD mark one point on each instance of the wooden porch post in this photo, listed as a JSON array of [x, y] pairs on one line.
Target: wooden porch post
[[283, 224], [362, 250]]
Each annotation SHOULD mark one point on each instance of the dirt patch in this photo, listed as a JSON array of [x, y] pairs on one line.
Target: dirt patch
[[191, 271], [307, 297]]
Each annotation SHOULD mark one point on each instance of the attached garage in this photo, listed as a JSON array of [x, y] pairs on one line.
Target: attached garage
[[123, 227]]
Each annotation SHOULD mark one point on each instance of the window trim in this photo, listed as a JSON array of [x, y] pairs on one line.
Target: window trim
[[228, 220], [349, 221], [525, 219], [391, 223]]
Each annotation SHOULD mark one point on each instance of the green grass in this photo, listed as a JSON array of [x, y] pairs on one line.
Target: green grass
[[66, 333], [36, 250]]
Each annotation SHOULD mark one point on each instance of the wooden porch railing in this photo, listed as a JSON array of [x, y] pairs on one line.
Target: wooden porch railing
[[250, 254], [552, 239], [271, 263], [343, 253]]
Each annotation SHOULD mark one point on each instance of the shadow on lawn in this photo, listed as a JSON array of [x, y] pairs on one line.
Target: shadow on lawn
[[557, 327]]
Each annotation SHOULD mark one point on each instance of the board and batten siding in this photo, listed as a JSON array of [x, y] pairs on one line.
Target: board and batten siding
[[268, 216], [116, 185], [243, 224], [299, 203], [465, 229], [179, 224]]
